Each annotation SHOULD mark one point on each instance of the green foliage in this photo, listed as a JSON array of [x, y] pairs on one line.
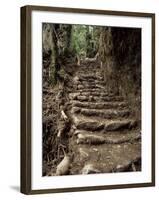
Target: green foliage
[[84, 41], [78, 42], [92, 40]]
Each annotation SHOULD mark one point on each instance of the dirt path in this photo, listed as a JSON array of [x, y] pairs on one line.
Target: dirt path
[[104, 135]]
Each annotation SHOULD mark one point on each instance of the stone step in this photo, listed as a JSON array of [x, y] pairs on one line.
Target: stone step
[[85, 137], [98, 99], [101, 105], [90, 84], [97, 86], [89, 73], [90, 78], [89, 67], [101, 94], [91, 90], [88, 62], [74, 95], [89, 70], [106, 158], [85, 83], [121, 134], [97, 123], [78, 79], [89, 81], [107, 113]]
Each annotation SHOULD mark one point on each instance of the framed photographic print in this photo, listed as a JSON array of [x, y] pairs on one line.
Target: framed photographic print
[[87, 99]]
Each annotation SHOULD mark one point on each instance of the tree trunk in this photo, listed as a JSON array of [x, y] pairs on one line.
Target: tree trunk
[[55, 67], [106, 56]]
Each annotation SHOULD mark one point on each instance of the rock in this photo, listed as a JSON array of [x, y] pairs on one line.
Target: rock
[[83, 154], [80, 86], [115, 126], [73, 96], [105, 113], [76, 79], [89, 139], [101, 105], [115, 98], [63, 166], [96, 93], [92, 125], [82, 98], [133, 124], [77, 132], [126, 165], [90, 169], [99, 98], [91, 90], [75, 110], [122, 167], [100, 86]]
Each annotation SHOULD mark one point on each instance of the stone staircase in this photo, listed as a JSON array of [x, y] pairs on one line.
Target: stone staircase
[[104, 135]]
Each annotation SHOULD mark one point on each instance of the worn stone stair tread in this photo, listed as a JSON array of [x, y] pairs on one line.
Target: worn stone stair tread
[[87, 123], [91, 82], [94, 98], [107, 157], [101, 94], [79, 87], [89, 73], [96, 139], [87, 84], [90, 85], [91, 90], [111, 134], [101, 105], [80, 79], [89, 68], [73, 95], [88, 81], [124, 134], [90, 78], [105, 113]]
